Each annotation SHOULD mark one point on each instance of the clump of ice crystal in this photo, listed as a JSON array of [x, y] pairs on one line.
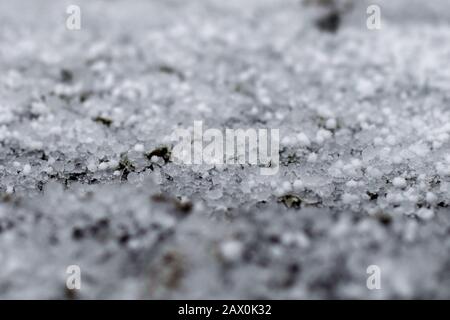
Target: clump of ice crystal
[[86, 178]]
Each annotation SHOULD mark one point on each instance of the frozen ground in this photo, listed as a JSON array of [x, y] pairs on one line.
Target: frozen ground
[[364, 121]]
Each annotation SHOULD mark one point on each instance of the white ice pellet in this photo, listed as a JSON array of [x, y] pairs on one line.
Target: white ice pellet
[[394, 198], [287, 186], [397, 159], [431, 198], [356, 163], [287, 141], [339, 164], [298, 185], [378, 141], [323, 135], [443, 169], [373, 172], [351, 184], [425, 213], [38, 107], [103, 166], [92, 167], [139, 147], [26, 169], [331, 124], [391, 140], [231, 250], [303, 140], [312, 157], [279, 192], [399, 182], [348, 198], [412, 197]]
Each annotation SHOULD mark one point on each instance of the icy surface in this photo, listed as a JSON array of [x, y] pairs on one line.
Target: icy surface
[[364, 118]]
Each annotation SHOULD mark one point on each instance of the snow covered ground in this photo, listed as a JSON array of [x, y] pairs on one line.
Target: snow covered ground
[[364, 119]]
